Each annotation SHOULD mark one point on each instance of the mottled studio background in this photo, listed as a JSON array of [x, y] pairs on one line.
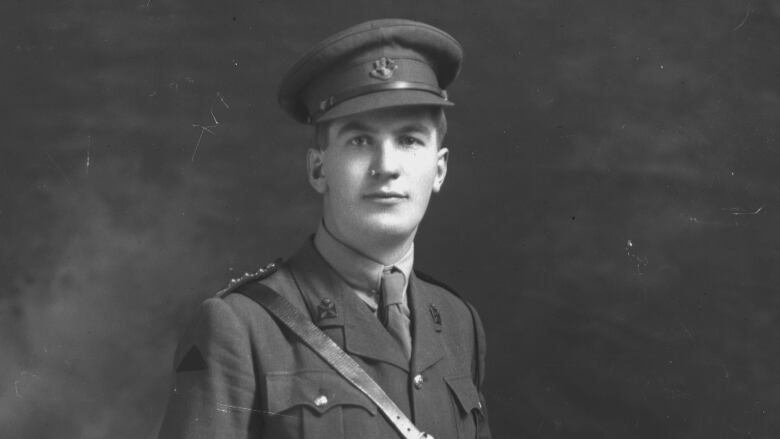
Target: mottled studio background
[[612, 207]]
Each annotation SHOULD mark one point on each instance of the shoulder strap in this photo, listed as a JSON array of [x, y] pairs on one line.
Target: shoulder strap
[[239, 282], [328, 350], [431, 280]]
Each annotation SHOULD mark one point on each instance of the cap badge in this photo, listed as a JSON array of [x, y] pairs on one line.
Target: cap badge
[[383, 68]]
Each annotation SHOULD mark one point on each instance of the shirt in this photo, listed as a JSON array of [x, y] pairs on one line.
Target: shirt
[[361, 273]]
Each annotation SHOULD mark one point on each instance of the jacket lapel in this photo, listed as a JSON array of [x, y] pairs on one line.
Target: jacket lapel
[[333, 303], [428, 326]]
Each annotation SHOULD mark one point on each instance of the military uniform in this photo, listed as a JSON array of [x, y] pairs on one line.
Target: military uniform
[[240, 373]]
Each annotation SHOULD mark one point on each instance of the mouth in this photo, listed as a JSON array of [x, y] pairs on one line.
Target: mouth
[[386, 196]]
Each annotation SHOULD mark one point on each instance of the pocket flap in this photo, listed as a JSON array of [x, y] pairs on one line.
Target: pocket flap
[[465, 394], [318, 389]]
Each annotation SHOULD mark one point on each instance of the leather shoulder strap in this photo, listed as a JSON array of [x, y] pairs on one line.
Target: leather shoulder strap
[[329, 351]]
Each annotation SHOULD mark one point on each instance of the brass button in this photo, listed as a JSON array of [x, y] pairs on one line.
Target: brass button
[[321, 400], [418, 381]]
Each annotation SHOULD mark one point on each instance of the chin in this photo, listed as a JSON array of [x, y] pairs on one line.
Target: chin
[[388, 228]]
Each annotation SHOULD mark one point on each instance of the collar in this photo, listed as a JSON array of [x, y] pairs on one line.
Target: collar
[[352, 325], [358, 270]]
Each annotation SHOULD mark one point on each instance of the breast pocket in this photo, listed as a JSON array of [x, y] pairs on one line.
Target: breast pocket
[[467, 405], [316, 404]]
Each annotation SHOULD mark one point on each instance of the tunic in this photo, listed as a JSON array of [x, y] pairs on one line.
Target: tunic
[[240, 374]]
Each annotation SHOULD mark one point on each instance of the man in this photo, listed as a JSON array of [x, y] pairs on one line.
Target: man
[[375, 94]]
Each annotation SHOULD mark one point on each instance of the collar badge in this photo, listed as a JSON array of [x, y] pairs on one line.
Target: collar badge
[[436, 317], [326, 310], [383, 68]]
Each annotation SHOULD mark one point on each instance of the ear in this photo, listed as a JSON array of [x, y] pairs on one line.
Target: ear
[[315, 161], [441, 168]]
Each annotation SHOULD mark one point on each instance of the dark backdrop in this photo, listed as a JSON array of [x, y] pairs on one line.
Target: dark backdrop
[[609, 209]]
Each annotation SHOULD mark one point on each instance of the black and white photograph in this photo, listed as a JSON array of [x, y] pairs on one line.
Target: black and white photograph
[[392, 219]]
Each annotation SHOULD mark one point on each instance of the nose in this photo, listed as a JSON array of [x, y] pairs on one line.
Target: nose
[[386, 160]]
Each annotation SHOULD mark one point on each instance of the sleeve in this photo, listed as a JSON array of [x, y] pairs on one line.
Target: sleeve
[[483, 427], [213, 394]]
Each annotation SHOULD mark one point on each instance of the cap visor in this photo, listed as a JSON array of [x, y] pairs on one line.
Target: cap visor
[[383, 99]]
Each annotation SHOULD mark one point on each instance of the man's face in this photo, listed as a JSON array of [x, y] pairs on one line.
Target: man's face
[[377, 173]]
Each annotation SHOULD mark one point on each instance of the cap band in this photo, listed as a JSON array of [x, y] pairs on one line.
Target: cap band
[[332, 101]]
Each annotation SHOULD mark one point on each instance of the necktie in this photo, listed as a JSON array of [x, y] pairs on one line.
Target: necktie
[[390, 312]]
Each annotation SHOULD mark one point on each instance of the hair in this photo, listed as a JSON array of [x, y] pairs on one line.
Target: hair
[[322, 129]]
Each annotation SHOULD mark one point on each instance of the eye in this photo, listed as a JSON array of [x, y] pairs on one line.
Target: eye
[[411, 141], [359, 141]]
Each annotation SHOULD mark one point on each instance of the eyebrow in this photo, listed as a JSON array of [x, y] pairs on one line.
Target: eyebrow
[[362, 127], [416, 127], [354, 126]]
